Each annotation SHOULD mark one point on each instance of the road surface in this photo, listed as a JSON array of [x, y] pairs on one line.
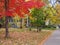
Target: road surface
[[54, 39]]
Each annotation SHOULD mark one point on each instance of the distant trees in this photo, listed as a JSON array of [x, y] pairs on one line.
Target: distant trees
[[42, 15]]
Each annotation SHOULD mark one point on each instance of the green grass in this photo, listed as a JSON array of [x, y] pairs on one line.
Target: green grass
[[49, 28]]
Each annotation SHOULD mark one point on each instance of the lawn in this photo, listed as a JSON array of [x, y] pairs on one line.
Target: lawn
[[23, 37]]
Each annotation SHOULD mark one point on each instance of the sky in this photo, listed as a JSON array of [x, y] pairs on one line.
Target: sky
[[52, 2]]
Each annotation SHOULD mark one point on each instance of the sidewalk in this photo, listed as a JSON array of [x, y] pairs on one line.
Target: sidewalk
[[54, 39]]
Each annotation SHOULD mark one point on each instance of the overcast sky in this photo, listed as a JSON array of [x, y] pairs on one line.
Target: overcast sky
[[52, 2]]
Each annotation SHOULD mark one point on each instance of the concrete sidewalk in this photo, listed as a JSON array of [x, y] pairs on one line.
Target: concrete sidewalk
[[54, 39]]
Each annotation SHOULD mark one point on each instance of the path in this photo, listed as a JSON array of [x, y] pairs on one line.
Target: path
[[54, 39]]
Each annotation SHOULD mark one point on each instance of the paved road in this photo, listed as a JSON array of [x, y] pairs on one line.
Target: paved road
[[54, 39]]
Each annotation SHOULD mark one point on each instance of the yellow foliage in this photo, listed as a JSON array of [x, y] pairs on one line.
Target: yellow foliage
[[16, 17]]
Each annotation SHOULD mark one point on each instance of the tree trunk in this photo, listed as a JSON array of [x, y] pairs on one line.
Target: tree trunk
[[0, 25], [6, 27], [21, 23], [6, 18], [29, 24], [38, 29], [37, 25], [30, 27]]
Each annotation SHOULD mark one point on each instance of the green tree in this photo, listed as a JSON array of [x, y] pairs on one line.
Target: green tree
[[38, 16]]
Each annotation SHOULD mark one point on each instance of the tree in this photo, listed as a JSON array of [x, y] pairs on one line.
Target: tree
[[50, 15], [21, 7], [38, 16], [52, 12], [58, 13], [46, 1]]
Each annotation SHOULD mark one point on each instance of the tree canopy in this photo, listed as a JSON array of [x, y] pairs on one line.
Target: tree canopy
[[20, 7]]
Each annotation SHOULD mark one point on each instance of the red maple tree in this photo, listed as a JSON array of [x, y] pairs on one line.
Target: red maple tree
[[21, 7]]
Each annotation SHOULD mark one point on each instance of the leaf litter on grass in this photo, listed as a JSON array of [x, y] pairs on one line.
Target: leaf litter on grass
[[23, 38]]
